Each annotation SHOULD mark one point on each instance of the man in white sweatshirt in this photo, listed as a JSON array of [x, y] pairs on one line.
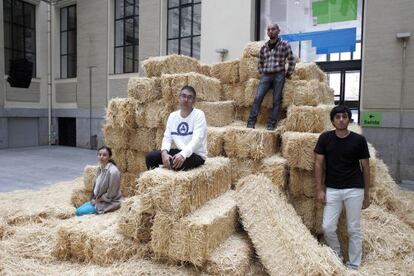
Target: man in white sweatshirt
[[187, 128]]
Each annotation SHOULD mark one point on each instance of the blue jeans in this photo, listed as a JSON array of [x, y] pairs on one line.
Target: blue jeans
[[86, 209], [277, 82]]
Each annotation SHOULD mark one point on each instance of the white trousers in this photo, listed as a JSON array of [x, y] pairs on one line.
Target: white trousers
[[352, 199]]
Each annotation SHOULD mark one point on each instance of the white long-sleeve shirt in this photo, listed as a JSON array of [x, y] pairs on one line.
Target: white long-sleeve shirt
[[189, 134]]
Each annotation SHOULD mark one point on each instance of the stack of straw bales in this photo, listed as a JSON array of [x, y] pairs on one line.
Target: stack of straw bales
[[191, 217]]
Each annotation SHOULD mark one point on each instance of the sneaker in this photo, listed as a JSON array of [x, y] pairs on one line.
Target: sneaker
[[351, 266], [250, 125], [270, 128]]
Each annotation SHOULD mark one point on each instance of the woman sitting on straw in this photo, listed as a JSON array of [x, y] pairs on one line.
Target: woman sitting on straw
[[106, 196]]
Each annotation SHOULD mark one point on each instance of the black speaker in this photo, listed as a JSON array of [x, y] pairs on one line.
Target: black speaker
[[20, 74]]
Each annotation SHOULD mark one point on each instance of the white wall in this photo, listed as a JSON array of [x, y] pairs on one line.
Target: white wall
[[225, 24]]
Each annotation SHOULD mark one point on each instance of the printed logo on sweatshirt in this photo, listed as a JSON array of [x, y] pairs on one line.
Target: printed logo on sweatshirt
[[182, 130]]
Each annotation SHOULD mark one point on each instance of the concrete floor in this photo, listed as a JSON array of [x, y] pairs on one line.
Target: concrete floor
[[36, 167]]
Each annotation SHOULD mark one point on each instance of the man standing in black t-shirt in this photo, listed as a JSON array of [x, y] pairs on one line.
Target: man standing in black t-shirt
[[342, 159]]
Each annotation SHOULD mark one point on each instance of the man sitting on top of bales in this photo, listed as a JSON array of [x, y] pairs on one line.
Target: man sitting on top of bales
[[271, 66], [187, 128], [345, 156]]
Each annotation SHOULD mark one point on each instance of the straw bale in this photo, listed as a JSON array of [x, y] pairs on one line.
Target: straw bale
[[282, 242], [243, 167], [205, 69], [305, 208], [116, 137], [95, 239], [181, 192], [144, 90], [80, 196], [89, 175], [306, 92], [317, 227], [232, 257], [248, 69], [159, 135], [396, 267], [227, 72], [242, 113], [171, 85], [128, 184], [386, 237], [217, 114], [301, 183], [252, 49], [136, 161], [194, 237], [256, 269], [308, 71], [242, 142], [3, 228], [121, 112], [298, 148], [234, 92], [142, 139], [140, 115], [51, 202], [308, 118], [171, 64], [134, 221], [156, 114], [250, 94], [207, 88], [275, 168], [119, 156], [215, 141]]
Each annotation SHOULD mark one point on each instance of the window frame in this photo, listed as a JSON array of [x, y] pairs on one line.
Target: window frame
[[26, 27], [135, 44], [68, 53], [180, 7]]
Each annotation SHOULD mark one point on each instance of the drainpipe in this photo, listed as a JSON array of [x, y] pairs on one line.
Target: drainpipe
[[403, 37], [49, 73]]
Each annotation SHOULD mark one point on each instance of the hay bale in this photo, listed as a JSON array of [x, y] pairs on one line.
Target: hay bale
[[89, 176], [250, 94], [156, 114], [301, 183], [227, 72], [308, 71], [241, 142], [304, 92], [275, 168], [207, 88], [308, 118], [94, 239], [181, 192], [144, 90], [298, 148], [116, 137], [248, 69], [282, 242], [80, 196], [217, 114], [142, 139], [386, 237], [171, 64], [205, 69], [243, 167], [171, 85], [215, 141], [134, 221], [159, 135], [119, 156], [305, 208], [232, 257], [252, 49], [193, 237], [128, 184], [121, 112], [234, 92], [136, 161], [3, 228]]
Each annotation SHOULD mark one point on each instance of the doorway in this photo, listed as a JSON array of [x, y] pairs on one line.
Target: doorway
[[67, 132]]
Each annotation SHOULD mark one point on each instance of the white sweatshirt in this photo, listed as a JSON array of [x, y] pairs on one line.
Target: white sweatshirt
[[189, 134]]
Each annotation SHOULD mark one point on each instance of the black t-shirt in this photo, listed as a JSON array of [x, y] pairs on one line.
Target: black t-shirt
[[342, 157]]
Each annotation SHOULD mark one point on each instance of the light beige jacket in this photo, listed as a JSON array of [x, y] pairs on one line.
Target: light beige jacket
[[109, 192]]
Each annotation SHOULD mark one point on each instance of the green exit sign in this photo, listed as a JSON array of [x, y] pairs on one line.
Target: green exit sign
[[371, 119]]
